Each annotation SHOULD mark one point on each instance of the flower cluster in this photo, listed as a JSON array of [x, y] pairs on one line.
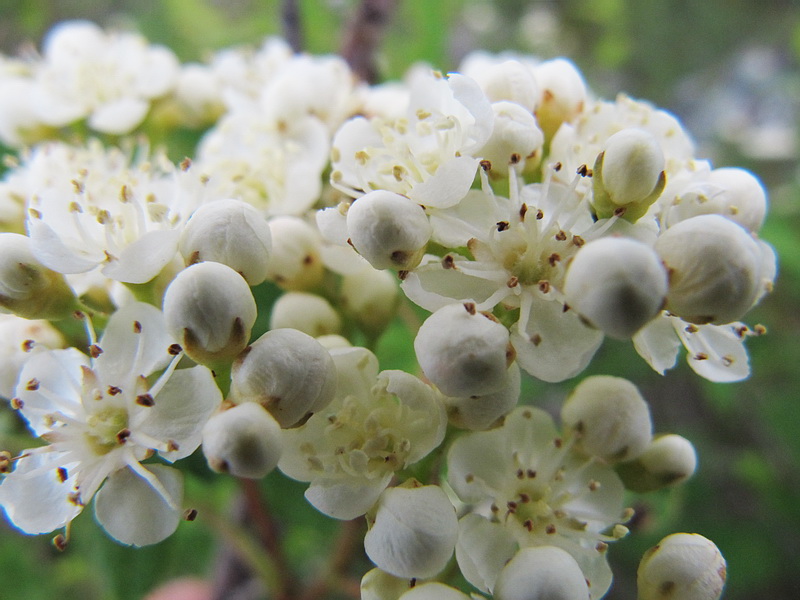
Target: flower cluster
[[529, 218]]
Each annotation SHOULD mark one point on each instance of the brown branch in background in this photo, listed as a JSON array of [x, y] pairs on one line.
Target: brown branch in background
[[364, 36], [292, 27], [267, 532], [351, 533]]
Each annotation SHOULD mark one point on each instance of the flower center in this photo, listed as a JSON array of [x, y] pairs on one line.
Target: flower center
[[105, 428]]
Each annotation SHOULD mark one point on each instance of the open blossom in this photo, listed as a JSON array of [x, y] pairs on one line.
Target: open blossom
[[18, 338], [377, 423], [101, 418], [102, 207], [526, 486]]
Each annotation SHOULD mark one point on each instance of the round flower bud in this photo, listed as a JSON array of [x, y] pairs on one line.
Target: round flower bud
[[371, 297], [464, 352], [379, 585], [433, 590], [305, 312], [731, 192], [563, 94], [609, 417], [617, 285], [210, 310], [682, 565], [669, 460], [481, 412], [509, 80], [295, 263], [230, 232], [244, 441], [388, 229], [714, 268], [515, 137], [27, 288], [287, 372], [541, 573], [412, 532]]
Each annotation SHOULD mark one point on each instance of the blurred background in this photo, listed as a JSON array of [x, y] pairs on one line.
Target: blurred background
[[729, 69]]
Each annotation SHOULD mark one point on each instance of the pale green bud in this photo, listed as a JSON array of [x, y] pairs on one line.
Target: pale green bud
[[230, 232], [562, 94], [287, 372], [295, 263], [609, 417], [628, 175], [305, 312], [541, 573], [210, 310], [244, 440], [682, 566], [617, 285], [388, 229], [714, 267], [371, 297], [28, 289], [669, 460]]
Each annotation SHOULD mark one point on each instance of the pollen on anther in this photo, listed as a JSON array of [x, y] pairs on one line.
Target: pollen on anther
[[701, 356], [594, 485], [174, 349], [561, 235], [530, 474], [583, 170], [137, 327], [123, 435], [190, 514], [469, 478], [95, 350], [512, 282], [536, 339], [522, 211], [528, 524], [557, 167], [32, 385], [60, 542], [28, 345], [550, 529], [113, 390], [186, 163], [486, 165], [578, 240], [470, 308], [61, 474], [448, 262], [554, 258], [17, 403], [727, 360], [544, 286], [692, 328], [502, 225], [172, 446], [539, 215]]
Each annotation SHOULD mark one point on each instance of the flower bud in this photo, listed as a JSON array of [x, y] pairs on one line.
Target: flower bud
[[244, 441], [509, 80], [541, 573], [682, 565], [27, 288], [295, 263], [413, 531], [287, 372], [481, 412], [515, 137], [714, 268], [230, 232], [617, 285], [210, 310], [371, 297], [305, 312], [433, 590], [669, 460], [563, 94], [379, 585], [464, 352], [628, 174], [388, 229], [609, 417]]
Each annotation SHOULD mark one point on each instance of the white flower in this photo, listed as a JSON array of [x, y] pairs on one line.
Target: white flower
[[296, 262], [609, 418], [562, 92], [287, 372], [18, 338], [108, 78], [617, 284], [668, 460], [308, 313], [244, 440], [543, 573], [682, 565], [103, 207], [210, 309], [413, 530], [378, 423], [528, 487], [230, 232], [101, 418]]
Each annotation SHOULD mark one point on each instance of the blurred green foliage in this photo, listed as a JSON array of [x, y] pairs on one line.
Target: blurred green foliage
[[746, 496]]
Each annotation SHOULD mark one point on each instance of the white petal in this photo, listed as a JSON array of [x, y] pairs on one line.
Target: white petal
[[657, 343], [52, 252], [181, 409], [345, 498], [432, 287], [58, 373], [126, 352], [716, 352], [356, 370], [143, 259], [482, 550], [556, 345], [448, 185], [38, 503], [433, 590], [332, 225], [120, 116], [134, 513]]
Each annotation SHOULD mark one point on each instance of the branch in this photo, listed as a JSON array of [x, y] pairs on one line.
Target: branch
[[364, 35], [292, 28], [350, 535]]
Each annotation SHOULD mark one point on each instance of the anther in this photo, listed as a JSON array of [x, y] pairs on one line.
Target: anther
[[502, 225], [190, 514], [520, 474], [185, 164], [401, 275], [701, 356], [137, 327], [583, 170], [174, 349], [561, 235], [692, 329], [145, 400], [536, 339], [28, 345], [123, 435], [530, 474], [539, 215], [544, 286], [620, 211], [32, 385], [60, 542], [557, 167], [470, 307], [522, 210], [61, 474], [528, 524], [513, 281], [486, 165], [448, 262], [17, 403], [759, 329], [578, 240], [515, 158], [95, 350], [550, 529], [554, 258]]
